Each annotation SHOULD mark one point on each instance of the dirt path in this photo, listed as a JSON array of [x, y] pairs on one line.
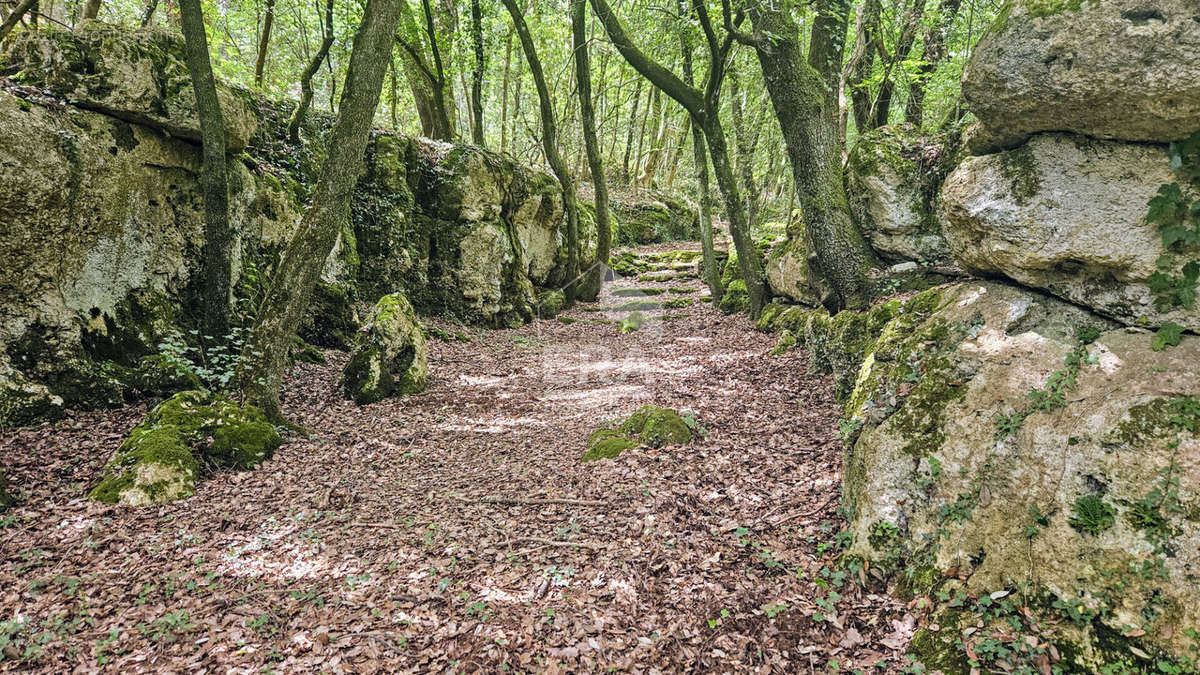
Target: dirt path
[[458, 530]]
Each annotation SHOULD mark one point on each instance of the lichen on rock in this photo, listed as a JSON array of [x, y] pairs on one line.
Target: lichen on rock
[[389, 358], [164, 455]]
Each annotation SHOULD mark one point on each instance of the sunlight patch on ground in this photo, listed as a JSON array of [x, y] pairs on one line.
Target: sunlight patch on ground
[[281, 553], [490, 426]]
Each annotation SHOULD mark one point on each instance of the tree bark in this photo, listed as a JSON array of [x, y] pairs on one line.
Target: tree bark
[[217, 258], [264, 43], [799, 91], [637, 97], [477, 74], [504, 92], [594, 277], [11, 21], [935, 51], [911, 21], [91, 10], [148, 12], [306, 90], [861, 62], [710, 273], [298, 272], [427, 76]]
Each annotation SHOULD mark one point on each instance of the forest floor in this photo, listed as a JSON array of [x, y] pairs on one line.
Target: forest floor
[[457, 530]]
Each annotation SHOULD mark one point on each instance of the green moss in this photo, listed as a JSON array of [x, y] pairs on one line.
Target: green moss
[[1044, 8], [787, 340], [677, 303], [631, 323], [606, 444], [939, 651], [1019, 168], [736, 299], [162, 456], [638, 292], [656, 426], [550, 303]]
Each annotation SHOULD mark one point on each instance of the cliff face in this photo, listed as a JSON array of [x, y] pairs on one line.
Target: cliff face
[[101, 220]]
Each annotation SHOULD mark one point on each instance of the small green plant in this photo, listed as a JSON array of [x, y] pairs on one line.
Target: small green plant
[[774, 609], [1177, 217], [167, 627], [214, 364], [1091, 515], [1170, 334], [1039, 520]]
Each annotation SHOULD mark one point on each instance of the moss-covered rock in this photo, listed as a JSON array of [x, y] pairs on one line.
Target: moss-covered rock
[[139, 76], [652, 217], [331, 320], [656, 426], [163, 456], [992, 441], [550, 303], [390, 357], [787, 340], [650, 425], [631, 323], [894, 176]]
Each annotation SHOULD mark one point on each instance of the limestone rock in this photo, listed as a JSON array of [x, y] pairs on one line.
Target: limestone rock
[[998, 448], [653, 217], [162, 457], [891, 186], [788, 274], [1115, 69], [1067, 215], [390, 358], [138, 76], [650, 425]]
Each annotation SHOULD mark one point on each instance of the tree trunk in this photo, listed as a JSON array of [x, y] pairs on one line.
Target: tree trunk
[[550, 147], [427, 78], [148, 12], [16, 15], [504, 92], [298, 272], [91, 10], [637, 97], [217, 258], [264, 42], [594, 277], [838, 253], [911, 21], [861, 62], [306, 90], [477, 74], [935, 51], [710, 273]]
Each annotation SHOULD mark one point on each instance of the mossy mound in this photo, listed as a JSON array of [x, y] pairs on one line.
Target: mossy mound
[[163, 456], [632, 322], [736, 298], [787, 340], [678, 303], [390, 357], [637, 292], [653, 218], [650, 425], [550, 303]]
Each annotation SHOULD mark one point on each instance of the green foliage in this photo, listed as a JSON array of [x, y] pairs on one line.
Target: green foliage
[[1177, 216], [214, 364], [1170, 334], [1091, 515], [1050, 396]]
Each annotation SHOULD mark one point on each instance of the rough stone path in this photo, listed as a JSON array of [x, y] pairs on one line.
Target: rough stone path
[[457, 530]]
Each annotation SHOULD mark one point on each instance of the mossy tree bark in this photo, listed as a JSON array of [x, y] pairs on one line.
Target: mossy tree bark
[[306, 89], [801, 93], [594, 277], [293, 280], [264, 42], [704, 108], [91, 10], [217, 261], [12, 20], [477, 74], [148, 12], [550, 146]]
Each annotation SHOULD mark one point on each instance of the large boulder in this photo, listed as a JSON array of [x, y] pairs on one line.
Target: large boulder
[[390, 358], [102, 222], [1013, 444], [653, 217], [1065, 214], [1116, 69], [788, 273], [892, 186], [163, 456], [139, 76]]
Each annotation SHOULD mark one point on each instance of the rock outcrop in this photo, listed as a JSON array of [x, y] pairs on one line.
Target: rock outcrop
[[390, 356], [1114, 69], [1009, 440], [653, 217], [137, 76], [1066, 214], [101, 218], [163, 456], [892, 184]]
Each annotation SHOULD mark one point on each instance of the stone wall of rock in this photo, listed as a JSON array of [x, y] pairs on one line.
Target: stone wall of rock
[[100, 220]]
